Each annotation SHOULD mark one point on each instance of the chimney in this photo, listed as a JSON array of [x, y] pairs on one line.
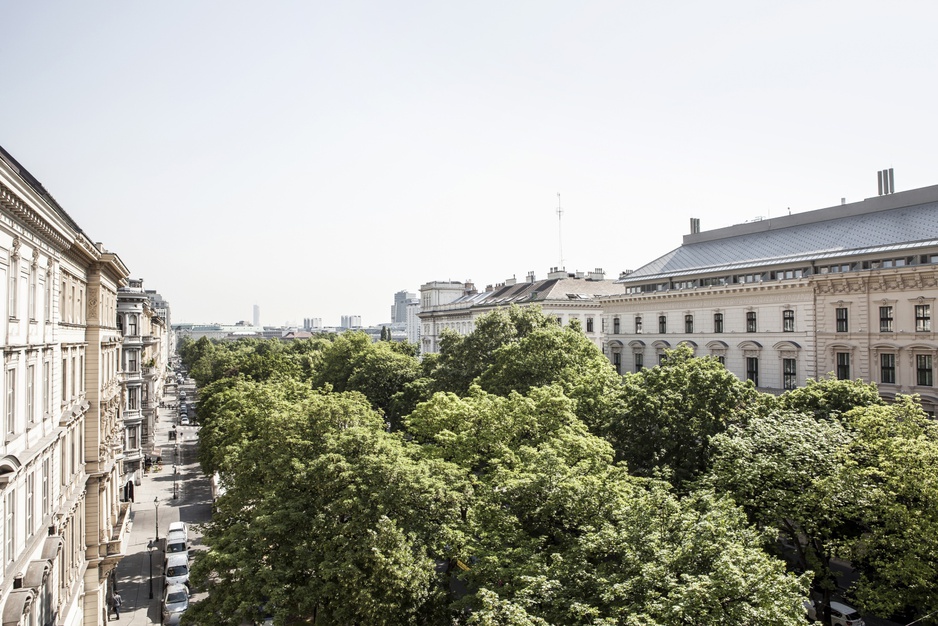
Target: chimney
[[597, 274], [511, 281], [886, 181], [530, 278], [694, 225]]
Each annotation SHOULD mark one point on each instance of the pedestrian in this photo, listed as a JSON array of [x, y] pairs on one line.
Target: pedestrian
[[117, 605]]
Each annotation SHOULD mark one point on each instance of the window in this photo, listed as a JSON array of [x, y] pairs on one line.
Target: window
[[615, 326], [841, 315], [30, 502], [662, 324], [132, 399], [718, 322], [617, 361], [721, 359], [750, 321], [132, 361], [132, 325], [14, 270], [923, 371], [843, 366], [45, 486], [602, 324], [688, 323], [9, 527], [32, 291], [132, 438], [752, 369], [885, 319], [789, 374], [11, 401], [30, 394], [46, 387], [64, 379], [887, 368], [638, 324], [47, 299], [589, 324], [922, 318], [639, 361], [788, 322]]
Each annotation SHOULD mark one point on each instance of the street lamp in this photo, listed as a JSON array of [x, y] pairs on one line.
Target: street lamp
[[150, 547], [156, 503], [174, 481]]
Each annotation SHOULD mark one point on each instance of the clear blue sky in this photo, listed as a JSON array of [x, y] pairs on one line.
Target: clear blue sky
[[314, 158]]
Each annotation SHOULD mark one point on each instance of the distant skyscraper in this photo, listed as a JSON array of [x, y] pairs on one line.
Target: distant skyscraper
[[257, 315], [312, 323], [399, 308], [351, 321]]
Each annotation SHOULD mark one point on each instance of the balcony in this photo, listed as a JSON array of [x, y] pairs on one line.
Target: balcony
[[150, 339], [113, 541]]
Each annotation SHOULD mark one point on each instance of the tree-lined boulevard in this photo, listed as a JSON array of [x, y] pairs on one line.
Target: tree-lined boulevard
[[515, 478]]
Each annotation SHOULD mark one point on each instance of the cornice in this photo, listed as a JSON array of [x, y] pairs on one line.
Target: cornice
[[31, 218]]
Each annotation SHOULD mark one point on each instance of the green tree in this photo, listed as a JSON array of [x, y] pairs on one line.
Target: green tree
[[672, 410]]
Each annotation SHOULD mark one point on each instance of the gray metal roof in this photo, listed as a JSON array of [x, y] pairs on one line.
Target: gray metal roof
[[885, 231]]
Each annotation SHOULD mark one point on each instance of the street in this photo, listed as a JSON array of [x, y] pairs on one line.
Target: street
[[192, 504]]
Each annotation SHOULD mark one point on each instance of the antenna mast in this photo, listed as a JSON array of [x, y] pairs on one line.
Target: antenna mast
[[560, 230]]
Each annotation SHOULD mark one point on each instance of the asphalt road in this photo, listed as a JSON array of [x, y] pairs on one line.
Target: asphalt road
[[139, 574]]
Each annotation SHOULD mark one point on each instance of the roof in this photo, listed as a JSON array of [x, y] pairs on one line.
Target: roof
[[873, 226], [548, 290]]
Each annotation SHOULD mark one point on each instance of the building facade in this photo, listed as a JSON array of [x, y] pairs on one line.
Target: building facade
[[64, 526], [566, 296], [847, 290]]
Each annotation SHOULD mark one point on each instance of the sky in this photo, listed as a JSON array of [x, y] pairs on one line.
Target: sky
[[314, 158]]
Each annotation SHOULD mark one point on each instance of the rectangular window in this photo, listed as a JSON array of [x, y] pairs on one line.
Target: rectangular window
[[30, 495], [615, 326], [688, 323], [47, 298], [885, 319], [639, 361], [31, 394], [14, 270], [132, 438], [662, 324], [11, 401], [46, 387], [64, 379], [32, 292], [922, 318], [133, 325], [843, 366], [722, 360], [9, 528], [752, 370], [923, 371], [788, 322], [750, 321], [617, 361], [887, 368], [789, 374], [45, 486], [718, 322], [841, 319], [589, 324], [132, 399], [638, 324]]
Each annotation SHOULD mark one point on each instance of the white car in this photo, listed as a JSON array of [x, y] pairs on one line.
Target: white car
[[175, 601], [841, 614], [177, 568], [184, 421]]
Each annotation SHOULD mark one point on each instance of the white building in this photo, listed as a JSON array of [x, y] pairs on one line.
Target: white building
[[64, 527], [848, 290], [567, 296]]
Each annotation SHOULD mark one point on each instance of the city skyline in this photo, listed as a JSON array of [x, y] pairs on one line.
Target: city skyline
[[317, 159]]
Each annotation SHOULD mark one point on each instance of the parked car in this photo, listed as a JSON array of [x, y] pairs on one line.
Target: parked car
[[177, 568], [177, 542], [184, 421], [841, 614], [175, 602]]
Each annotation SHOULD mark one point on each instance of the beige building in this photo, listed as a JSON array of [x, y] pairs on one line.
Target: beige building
[[848, 290], [63, 525], [143, 363], [564, 295]]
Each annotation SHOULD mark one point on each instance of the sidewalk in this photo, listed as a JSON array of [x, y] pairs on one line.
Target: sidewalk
[[193, 505]]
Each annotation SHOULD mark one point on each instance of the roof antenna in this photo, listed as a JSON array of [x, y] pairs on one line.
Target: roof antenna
[[560, 229]]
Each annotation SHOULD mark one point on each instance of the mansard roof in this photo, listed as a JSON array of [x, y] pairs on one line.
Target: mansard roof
[[891, 223]]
